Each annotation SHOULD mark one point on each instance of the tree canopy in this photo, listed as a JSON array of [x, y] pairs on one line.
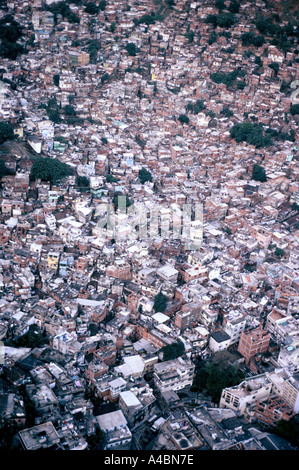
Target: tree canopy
[[145, 175], [131, 49], [10, 32], [217, 374], [50, 169], [6, 132], [62, 8], [294, 109], [288, 430], [197, 107], [252, 133], [173, 350], [227, 78], [183, 118], [160, 302], [222, 20], [258, 173]]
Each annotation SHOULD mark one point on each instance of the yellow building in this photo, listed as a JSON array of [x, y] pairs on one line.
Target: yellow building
[[53, 259]]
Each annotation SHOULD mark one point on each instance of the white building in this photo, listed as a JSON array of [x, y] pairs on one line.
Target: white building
[[233, 324], [174, 374], [115, 427], [248, 392], [219, 341], [289, 356]]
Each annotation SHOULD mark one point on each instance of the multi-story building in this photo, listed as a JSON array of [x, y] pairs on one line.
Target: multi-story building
[[43, 436], [115, 427], [174, 374], [248, 392], [290, 392], [289, 356], [273, 410], [233, 324], [79, 58], [253, 342]]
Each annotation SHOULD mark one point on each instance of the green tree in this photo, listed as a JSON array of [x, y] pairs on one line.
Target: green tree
[[234, 6], [190, 36], [50, 169], [220, 5], [34, 338], [212, 38], [294, 109], [279, 252], [131, 49], [9, 50], [102, 5], [227, 112], [70, 110], [217, 374], [10, 29], [252, 133], [111, 179], [92, 8], [6, 132], [274, 66], [145, 175], [197, 107], [258, 173], [173, 350], [53, 110], [160, 302], [83, 183], [56, 79], [288, 430], [183, 119]]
